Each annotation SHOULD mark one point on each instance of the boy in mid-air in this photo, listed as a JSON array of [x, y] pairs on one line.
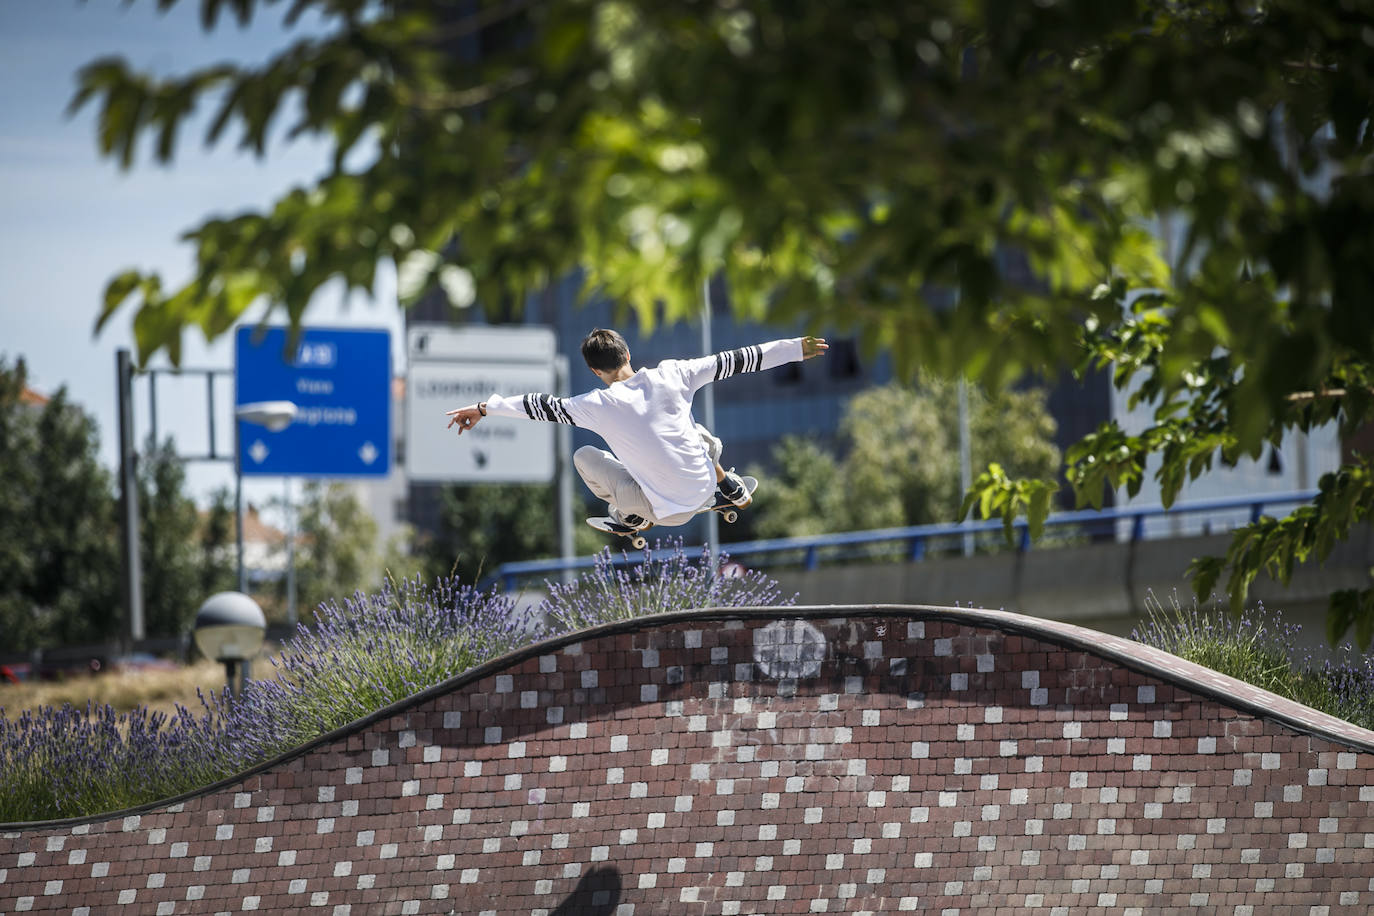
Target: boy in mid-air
[[663, 467]]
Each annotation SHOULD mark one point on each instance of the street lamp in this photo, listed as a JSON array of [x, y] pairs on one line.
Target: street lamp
[[275, 416], [230, 628]]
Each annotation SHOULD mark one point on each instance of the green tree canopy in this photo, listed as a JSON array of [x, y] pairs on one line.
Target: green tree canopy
[[59, 555], [215, 542], [337, 553], [849, 163], [175, 562], [482, 526], [900, 462]]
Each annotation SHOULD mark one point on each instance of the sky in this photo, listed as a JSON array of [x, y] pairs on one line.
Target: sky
[[70, 220]]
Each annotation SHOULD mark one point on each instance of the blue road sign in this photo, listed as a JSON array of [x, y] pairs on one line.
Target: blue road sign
[[338, 380]]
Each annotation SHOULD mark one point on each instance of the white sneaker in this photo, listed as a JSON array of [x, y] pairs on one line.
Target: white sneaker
[[732, 488], [629, 520]]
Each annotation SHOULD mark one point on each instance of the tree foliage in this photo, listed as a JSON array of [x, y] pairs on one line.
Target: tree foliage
[[484, 525], [337, 552], [847, 163], [900, 463], [59, 555], [216, 544], [175, 563], [802, 493]]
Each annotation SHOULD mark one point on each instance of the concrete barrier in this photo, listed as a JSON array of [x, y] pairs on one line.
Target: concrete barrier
[[801, 760], [1103, 585]]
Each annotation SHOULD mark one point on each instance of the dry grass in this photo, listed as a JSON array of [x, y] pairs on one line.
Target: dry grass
[[160, 691]]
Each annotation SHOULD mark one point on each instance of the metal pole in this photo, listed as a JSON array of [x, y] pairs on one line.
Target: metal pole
[[210, 411], [965, 462], [152, 408], [128, 492], [565, 469], [238, 510], [290, 554], [708, 411]]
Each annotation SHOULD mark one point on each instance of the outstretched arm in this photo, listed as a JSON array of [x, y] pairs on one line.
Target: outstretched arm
[[755, 358], [533, 406]]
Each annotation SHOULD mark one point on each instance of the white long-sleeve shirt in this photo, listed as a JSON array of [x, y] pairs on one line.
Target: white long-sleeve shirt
[[647, 420]]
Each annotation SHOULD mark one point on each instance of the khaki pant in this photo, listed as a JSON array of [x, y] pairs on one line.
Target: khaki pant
[[608, 479]]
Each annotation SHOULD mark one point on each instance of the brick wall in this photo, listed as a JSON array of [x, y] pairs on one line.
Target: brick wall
[[830, 760]]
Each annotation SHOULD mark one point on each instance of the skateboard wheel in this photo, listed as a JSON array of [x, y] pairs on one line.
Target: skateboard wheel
[[730, 516]]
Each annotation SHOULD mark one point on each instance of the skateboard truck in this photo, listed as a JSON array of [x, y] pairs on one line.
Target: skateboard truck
[[727, 510]]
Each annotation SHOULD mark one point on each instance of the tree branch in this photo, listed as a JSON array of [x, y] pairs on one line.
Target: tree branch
[[1303, 397], [464, 98], [478, 21]]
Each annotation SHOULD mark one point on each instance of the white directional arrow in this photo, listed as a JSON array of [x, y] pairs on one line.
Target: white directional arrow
[[258, 452], [368, 453]]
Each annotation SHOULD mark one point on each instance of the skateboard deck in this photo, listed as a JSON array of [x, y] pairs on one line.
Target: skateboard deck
[[727, 510]]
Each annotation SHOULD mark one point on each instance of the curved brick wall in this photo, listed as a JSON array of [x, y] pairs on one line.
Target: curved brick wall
[[830, 760]]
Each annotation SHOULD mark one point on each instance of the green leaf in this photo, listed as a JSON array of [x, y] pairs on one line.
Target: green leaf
[[1364, 622], [1039, 508], [1205, 572], [1343, 610], [117, 290]]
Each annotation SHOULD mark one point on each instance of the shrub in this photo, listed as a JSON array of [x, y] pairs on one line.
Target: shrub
[[357, 657], [64, 761], [1258, 647], [660, 583]]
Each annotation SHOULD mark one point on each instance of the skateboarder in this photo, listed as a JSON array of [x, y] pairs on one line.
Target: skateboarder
[[662, 467]]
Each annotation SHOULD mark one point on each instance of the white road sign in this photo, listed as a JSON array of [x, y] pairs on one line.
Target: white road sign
[[496, 450]]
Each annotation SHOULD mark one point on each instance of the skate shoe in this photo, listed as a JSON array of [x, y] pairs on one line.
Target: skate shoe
[[630, 520], [732, 488]]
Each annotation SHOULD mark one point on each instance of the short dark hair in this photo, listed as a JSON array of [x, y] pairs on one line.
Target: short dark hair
[[605, 350]]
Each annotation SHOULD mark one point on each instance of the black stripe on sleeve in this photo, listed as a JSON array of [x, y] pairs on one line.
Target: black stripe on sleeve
[[547, 408], [735, 362], [564, 417]]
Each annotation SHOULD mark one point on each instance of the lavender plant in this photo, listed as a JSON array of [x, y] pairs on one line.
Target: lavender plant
[[661, 582], [377, 649], [63, 761], [1349, 681], [358, 657], [1260, 648], [1252, 647]]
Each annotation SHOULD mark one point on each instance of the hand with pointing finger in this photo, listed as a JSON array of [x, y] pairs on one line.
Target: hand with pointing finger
[[466, 417]]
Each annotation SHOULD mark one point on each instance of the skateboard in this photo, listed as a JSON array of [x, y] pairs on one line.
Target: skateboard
[[728, 511]]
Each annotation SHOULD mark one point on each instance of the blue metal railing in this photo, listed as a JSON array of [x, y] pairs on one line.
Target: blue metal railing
[[917, 538]]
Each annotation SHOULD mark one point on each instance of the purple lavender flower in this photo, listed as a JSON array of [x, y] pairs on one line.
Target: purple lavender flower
[[358, 656], [615, 590]]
